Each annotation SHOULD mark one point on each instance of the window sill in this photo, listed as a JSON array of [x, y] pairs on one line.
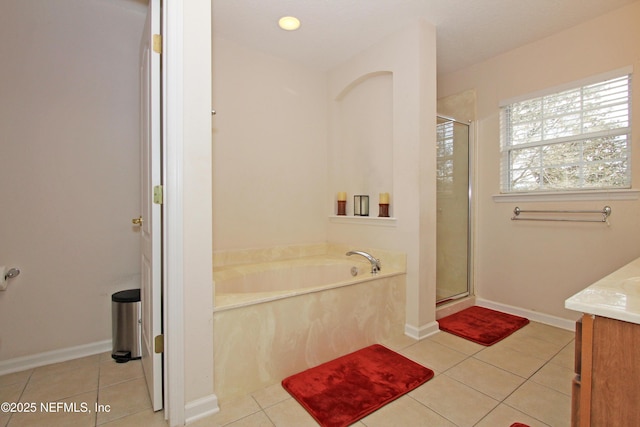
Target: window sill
[[365, 220], [568, 196]]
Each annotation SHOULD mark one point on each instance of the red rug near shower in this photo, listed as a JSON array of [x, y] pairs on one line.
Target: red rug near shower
[[346, 389], [482, 325], [519, 425]]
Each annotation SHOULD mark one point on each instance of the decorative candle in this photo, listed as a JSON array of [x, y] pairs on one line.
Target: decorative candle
[[342, 203], [384, 205]]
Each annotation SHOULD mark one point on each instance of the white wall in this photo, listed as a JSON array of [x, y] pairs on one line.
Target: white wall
[[69, 160], [532, 265], [361, 147], [196, 186], [410, 58], [269, 150], [276, 168]]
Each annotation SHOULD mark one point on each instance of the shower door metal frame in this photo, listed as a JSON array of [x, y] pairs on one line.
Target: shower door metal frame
[[470, 204]]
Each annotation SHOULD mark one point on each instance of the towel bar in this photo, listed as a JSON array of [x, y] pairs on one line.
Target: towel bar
[[605, 212]]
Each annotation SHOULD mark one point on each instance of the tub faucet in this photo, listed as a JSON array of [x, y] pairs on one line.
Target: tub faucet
[[375, 263]]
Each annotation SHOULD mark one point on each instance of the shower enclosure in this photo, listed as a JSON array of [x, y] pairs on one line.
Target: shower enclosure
[[453, 244]]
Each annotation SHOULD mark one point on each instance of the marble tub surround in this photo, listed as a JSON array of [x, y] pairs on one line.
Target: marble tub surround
[[258, 345], [257, 282], [280, 253], [278, 311], [248, 284], [275, 253]]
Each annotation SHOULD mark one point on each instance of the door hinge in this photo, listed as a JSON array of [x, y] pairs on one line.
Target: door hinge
[[159, 343], [158, 195], [157, 43]]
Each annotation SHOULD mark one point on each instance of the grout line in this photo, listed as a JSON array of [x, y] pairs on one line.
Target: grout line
[[269, 418], [24, 388], [95, 415]]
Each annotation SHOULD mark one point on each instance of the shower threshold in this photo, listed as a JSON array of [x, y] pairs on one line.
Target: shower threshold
[[452, 298]]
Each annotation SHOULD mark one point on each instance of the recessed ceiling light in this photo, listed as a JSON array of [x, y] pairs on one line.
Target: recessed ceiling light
[[289, 23]]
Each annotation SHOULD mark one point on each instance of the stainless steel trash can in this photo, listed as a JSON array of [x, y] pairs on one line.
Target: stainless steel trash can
[[126, 328]]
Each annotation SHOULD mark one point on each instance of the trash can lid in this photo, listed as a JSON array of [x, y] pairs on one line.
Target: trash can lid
[[130, 295]]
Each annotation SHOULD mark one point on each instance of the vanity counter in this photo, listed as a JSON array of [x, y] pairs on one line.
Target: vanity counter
[[605, 390], [616, 296]]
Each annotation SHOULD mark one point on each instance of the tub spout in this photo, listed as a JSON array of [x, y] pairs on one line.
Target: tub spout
[[375, 263]]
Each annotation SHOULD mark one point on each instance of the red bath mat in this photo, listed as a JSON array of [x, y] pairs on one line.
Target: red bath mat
[[482, 325], [344, 390], [519, 425]]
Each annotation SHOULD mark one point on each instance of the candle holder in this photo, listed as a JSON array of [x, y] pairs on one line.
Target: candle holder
[[384, 210], [342, 207]]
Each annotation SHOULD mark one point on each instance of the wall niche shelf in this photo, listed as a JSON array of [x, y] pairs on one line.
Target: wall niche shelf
[[364, 220]]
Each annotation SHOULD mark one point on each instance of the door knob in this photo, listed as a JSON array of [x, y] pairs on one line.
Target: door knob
[[137, 221]]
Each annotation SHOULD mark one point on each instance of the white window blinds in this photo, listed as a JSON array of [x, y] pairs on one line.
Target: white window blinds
[[577, 138]]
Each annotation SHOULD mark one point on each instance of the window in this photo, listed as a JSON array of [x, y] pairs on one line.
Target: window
[[575, 139], [444, 172]]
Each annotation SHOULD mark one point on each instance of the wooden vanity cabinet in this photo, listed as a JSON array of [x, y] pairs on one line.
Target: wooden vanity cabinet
[[606, 389]]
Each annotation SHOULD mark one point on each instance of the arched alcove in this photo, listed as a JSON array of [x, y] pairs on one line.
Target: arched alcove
[[362, 150]]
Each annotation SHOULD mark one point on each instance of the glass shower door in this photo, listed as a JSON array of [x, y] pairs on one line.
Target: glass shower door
[[453, 210]]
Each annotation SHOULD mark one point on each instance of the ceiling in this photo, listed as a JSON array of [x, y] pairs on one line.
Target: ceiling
[[332, 31]]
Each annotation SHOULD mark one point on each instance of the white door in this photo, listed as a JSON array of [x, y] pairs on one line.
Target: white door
[[151, 211]]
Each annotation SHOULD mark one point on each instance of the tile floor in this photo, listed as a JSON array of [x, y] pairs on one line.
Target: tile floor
[[524, 378], [118, 388]]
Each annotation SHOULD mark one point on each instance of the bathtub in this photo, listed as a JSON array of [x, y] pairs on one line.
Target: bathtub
[[266, 281], [275, 318]]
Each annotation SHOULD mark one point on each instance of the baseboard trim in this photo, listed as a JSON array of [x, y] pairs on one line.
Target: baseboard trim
[[421, 332], [201, 408], [536, 316], [55, 356]]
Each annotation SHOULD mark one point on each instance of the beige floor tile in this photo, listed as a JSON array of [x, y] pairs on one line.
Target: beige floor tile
[[486, 378], [433, 355], [105, 357], [269, 396], [10, 394], [259, 419], [16, 378], [398, 342], [456, 343], [556, 377], [289, 413], [123, 399], [60, 384], [471, 381], [113, 373], [230, 410], [542, 403], [76, 411], [146, 418], [69, 365], [504, 416], [406, 411], [566, 356], [532, 346], [4, 418], [547, 333], [510, 360], [453, 400]]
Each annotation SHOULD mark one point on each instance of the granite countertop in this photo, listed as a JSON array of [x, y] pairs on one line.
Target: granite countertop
[[616, 296]]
